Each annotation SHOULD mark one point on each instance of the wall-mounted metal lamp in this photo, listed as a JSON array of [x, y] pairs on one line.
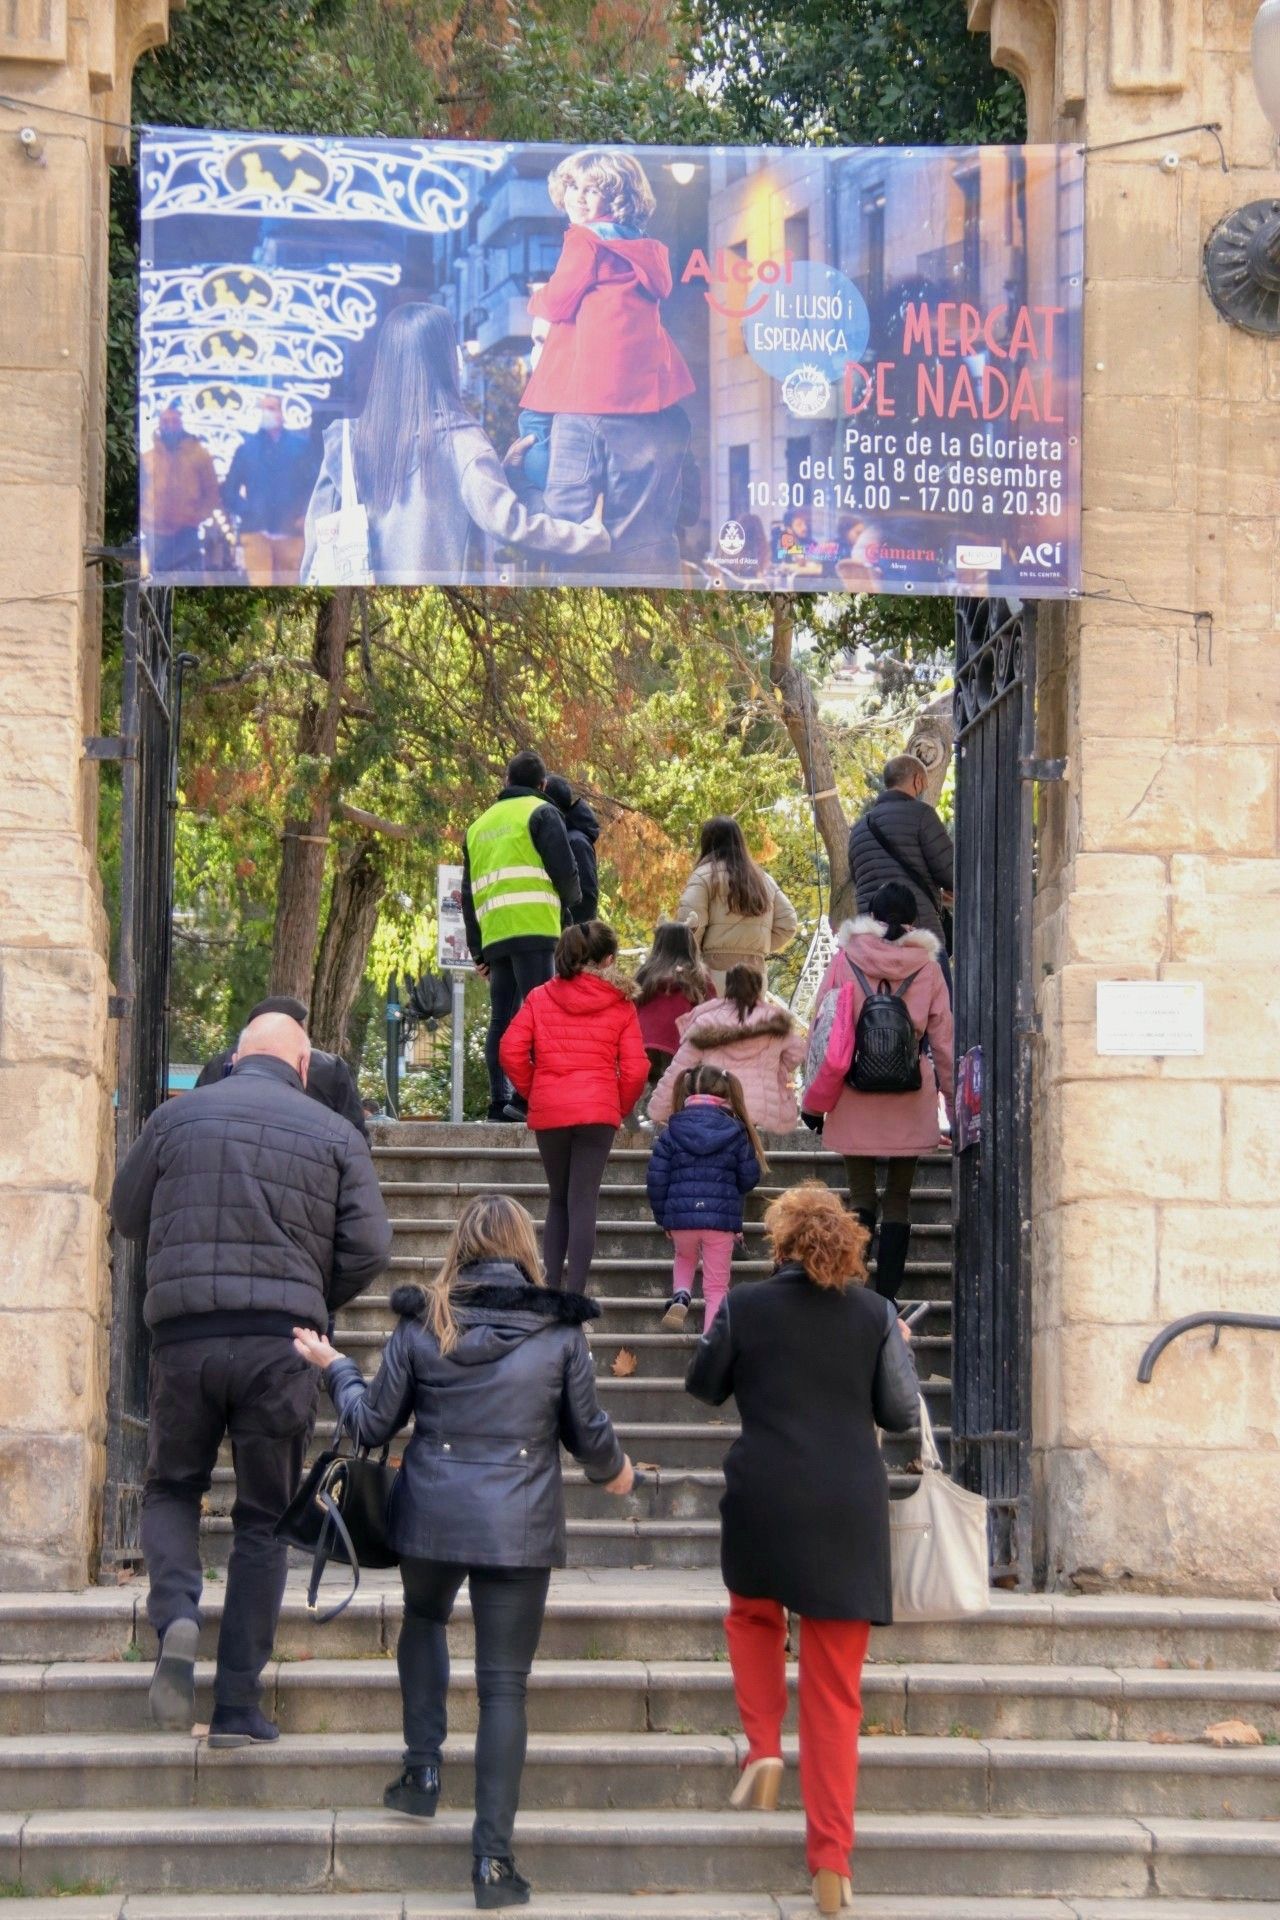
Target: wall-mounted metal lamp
[[1242, 254]]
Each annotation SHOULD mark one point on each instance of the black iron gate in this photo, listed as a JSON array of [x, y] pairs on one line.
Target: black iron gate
[[147, 749], [994, 1008]]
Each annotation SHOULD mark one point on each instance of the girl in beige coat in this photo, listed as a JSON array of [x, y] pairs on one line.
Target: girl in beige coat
[[738, 914]]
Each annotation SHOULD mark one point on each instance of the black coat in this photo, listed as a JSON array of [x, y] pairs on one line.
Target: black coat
[[805, 1513], [584, 830], [329, 1080], [922, 844], [261, 1208], [480, 1484]]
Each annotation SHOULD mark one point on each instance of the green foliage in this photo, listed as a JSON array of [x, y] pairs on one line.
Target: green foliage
[[852, 73]]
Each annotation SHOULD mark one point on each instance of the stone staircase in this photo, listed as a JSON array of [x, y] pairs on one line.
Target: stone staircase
[[1044, 1760]]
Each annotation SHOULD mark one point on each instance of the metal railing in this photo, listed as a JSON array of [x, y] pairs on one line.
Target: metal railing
[[1259, 1322]]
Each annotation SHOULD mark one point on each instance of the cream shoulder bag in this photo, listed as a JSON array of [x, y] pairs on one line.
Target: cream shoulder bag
[[341, 557], [938, 1542]]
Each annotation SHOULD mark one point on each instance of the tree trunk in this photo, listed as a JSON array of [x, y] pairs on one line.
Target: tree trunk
[[358, 887], [933, 739], [305, 848], [803, 722]]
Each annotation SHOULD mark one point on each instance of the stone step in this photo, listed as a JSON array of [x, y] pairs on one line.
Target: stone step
[[602, 1615], [562, 1850], [628, 1772], [607, 1695], [676, 1493], [626, 1906], [621, 1314], [620, 1200], [508, 1158], [426, 1235]]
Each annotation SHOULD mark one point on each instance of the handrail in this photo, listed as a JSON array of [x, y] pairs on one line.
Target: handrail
[[1266, 1322]]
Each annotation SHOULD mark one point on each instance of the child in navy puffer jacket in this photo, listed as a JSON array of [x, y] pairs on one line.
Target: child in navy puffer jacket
[[705, 1161]]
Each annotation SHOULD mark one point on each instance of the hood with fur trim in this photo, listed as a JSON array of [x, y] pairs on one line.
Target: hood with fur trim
[[497, 1309], [919, 938], [711, 1026]]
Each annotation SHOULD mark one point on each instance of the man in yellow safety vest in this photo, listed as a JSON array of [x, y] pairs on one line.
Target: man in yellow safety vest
[[519, 877]]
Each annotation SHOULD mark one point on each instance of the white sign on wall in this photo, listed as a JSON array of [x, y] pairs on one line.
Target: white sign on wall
[[451, 945], [1151, 1016]]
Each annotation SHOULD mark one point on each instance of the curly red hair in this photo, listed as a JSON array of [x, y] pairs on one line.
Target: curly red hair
[[809, 1224]]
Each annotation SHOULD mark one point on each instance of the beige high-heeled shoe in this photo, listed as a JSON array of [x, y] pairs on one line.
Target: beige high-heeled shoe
[[758, 1788], [831, 1892]]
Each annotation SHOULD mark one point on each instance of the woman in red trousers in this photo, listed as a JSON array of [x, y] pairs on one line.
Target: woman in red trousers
[[575, 1053], [816, 1362]]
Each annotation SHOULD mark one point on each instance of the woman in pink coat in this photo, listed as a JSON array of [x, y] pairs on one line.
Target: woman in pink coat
[[751, 1037], [898, 1127]]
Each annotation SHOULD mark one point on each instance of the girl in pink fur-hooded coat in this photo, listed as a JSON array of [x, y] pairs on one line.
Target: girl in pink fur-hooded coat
[[751, 1037]]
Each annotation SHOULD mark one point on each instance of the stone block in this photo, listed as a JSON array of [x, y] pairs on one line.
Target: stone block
[[1140, 453], [1237, 560], [44, 539], [49, 894], [1132, 335], [1109, 928], [1145, 797], [1251, 704], [1113, 1145], [44, 210], [41, 790], [1135, 560], [1140, 223], [45, 415], [1127, 683], [1223, 1257], [52, 1247], [53, 1373], [1118, 1517], [55, 1141], [53, 1007], [47, 1482], [1104, 1255], [1241, 1020], [1201, 1400], [1252, 1151]]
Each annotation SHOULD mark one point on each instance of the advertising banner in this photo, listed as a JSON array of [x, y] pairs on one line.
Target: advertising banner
[[761, 369], [451, 928]]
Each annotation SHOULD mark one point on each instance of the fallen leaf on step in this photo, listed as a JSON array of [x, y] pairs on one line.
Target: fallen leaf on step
[[647, 1466], [1164, 1739], [1162, 1663], [624, 1363], [1232, 1733]]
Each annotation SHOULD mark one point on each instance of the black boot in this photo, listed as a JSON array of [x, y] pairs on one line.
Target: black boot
[[417, 1791], [891, 1262], [497, 1884], [241, 1727]]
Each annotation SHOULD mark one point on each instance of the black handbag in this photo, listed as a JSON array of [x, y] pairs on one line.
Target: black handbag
[[340, 1513]]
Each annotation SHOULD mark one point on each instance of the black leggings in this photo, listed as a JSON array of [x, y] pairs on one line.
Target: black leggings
[[507, 1605], [897, 1192], [575, 1159]]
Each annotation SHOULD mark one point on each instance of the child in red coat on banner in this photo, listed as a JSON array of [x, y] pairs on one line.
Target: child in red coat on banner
[[602, 406], [574, 1052]]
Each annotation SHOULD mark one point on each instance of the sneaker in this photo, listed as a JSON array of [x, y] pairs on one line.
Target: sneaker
[[417, 1791], [173, 1684], [497, 1884], [678, 1312], [241, 1727]]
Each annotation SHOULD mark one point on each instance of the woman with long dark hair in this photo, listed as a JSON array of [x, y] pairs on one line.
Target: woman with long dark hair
[[425, 472], [736, 911], [496, 1371], [815, 1363], [574, 1052]]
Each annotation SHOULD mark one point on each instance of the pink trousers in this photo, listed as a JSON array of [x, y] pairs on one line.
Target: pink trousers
[[716, 1251]]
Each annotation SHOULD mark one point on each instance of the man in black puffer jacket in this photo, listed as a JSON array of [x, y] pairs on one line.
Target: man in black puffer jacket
[[901, 838], [261, 1212]]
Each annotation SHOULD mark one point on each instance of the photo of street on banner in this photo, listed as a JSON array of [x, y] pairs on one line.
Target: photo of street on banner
[[764, 369]]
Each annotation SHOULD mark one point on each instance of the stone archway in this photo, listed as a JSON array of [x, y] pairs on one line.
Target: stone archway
[[69, 64]]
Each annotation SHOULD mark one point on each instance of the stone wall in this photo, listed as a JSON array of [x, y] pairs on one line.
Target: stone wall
[[63, 58], [1156, 1187]]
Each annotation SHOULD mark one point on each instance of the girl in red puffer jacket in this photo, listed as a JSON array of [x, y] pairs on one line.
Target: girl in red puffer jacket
[[575, 1053]]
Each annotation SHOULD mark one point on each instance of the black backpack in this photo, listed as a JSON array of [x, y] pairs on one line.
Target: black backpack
[[886, 1049]]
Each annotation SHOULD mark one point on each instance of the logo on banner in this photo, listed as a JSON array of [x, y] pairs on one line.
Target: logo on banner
[[806, 392], [733, 538], [979, 559], [1048, 555]]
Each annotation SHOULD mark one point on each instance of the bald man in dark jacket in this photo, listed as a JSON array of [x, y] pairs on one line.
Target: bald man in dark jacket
[[262, 1212]]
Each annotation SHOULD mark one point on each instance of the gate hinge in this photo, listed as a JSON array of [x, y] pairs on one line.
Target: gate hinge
[[1032, 768], [118, 1005], [104, 746], [1028, 1025]]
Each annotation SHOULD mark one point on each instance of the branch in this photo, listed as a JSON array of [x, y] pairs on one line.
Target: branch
[[373, 823]]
